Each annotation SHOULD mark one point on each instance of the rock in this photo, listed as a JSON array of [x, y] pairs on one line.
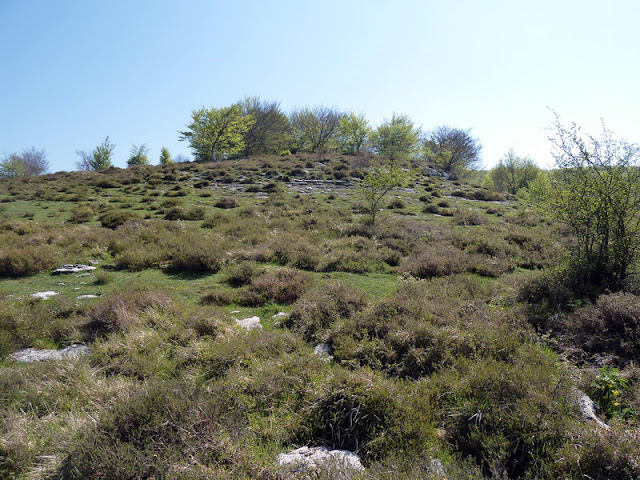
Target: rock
[[29, 355], [436, 469], [73, 268], [81, 297], [323, 350], [280, 314], [250, 323], [311, 459], [588, 408], [44, 295]]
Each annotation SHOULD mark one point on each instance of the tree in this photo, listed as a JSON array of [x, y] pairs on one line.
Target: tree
[[353, 131], [596, 191], [376, 184], [396, 138], [217, 132], [98, 159], [269, 132], [11, 166], [30, 162], [512, 173], [138, 155], [453, 150], [165, 156], [314, 129]]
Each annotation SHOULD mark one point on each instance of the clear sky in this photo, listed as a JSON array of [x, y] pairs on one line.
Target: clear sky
[[74, 72]]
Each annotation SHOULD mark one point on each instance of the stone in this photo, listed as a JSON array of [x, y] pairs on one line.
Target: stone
[[44, 295], [323, 350], [588, 408], [29, 355], [308, 460], [251, 323], [82, 297], [73, 268], [280, 314], [436, 468]]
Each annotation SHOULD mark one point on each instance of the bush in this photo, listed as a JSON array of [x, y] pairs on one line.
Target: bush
[[279, 286], [114, 218], [180, 213], [81, 214], [318, 309], [436, 262], [226, 203], [27, 260]]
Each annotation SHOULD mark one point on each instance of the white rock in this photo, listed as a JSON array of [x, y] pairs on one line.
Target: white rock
[[80, 297], [309, 459], [588, 408], [323, 350], [280, 314], [73, 268], [250, 323], [29, 355], [44, 295]]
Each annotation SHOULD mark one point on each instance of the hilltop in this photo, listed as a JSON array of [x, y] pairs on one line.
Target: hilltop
[[438, 341]]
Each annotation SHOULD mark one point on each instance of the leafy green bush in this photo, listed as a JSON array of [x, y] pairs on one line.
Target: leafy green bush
[[114, 218], [28, 260]]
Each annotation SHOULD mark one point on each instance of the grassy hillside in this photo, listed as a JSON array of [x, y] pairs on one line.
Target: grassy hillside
[[452, 334]]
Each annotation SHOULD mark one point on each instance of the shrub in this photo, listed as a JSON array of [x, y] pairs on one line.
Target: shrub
[[81, 214], [436, 262], [114, 218], [180, 213], [467, 217], [226, 203], [279, 286], [27, 260], [318, 309], [242, 273]]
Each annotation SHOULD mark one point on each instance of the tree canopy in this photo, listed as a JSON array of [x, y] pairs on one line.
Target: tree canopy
[[217, 132], [98, 159], [396, 138], [512, 173], [452, 150]]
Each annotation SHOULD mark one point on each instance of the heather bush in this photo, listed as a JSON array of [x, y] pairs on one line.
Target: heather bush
[[436, 261], [277, 286], [226, 203], [114, 218], [319, 308], [25, 260]]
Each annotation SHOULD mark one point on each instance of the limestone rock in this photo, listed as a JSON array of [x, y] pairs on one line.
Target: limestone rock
[[73, 268], [250, 323], [81, 297], [305, 460], [29, 355], [323, 350], [588, 408], [44, 295]]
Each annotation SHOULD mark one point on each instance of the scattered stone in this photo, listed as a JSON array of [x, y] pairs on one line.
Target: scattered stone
[[44, 295], [588, 408], [73, 268], [29, 355], [436, 468], [236, 311], [308, 460], [80, 297], [83, 275], [280, 314], [95, 262], [323, 350], [62, 284], [250, 323]]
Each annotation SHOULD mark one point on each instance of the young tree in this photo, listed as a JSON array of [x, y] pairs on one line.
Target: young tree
[[269, 132], [138, 155], [376, 184], [512, 173], [165, 156], [397, 138], [30, 162], [353, 131], [98, 159], [596, 191], [11, 166], [453, 150], [314, 129], [217, 132]]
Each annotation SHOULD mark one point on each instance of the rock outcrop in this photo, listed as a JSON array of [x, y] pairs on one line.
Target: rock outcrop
[[307, 460], [29, 355]]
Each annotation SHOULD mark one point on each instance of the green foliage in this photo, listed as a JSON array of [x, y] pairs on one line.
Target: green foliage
[[607, 391], [11, 167], [30, 162], [314, 129], [99, 159], [165, 157], [217, 132], [397, 138], [512, 174], [596, 191], [353, 132], [138, 155], [376, 184]]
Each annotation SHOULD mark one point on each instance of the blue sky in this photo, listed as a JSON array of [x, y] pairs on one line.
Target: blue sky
[[74, 72]]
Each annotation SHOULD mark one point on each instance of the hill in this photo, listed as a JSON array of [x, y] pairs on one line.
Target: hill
[[439, 341]]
